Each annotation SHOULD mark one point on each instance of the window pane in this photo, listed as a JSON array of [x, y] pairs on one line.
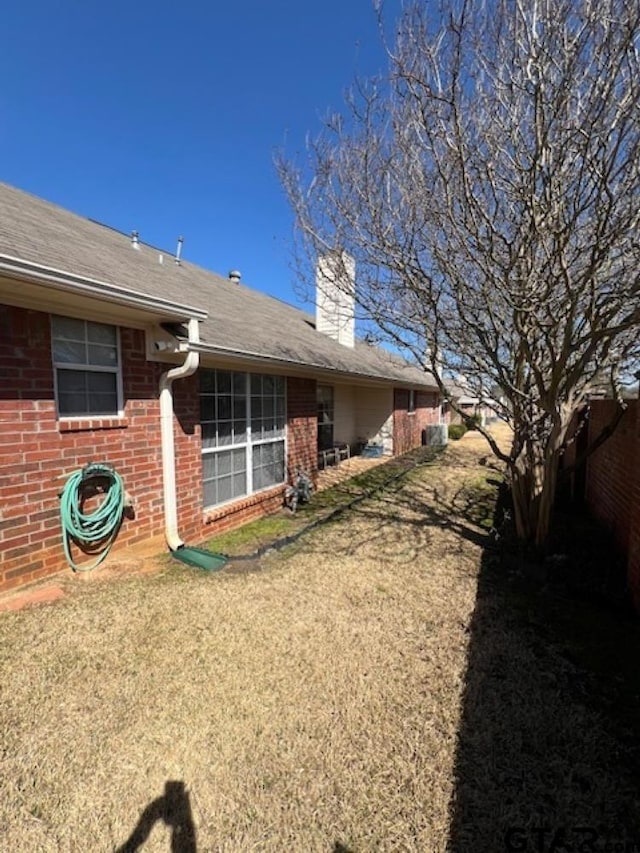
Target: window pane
[[240, 385], [224, 462], [256, 407], [207, 381], [103, 355], [224, 433], [225, 489], [209, 493], [239, 484], [207, 408], [224, 408], [82, 392], [101, 382], [224, 382], [102, 404], [208, 466], [208, 435], [71, 381], [68, 329], [256, 384], [69, 352], [279, 386], [268, 465], [325, 436], [72, 404], [239, 460], [239, 408], [258, 479], [99, 333]]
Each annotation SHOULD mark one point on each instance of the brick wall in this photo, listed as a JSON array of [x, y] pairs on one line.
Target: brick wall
[[407, 428], [36, 449], [613, 482], [302, 416]]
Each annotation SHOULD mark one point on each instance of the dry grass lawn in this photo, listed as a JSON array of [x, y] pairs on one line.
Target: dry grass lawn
[[317, 705]]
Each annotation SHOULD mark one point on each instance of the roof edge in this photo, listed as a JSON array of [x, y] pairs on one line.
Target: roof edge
[[230, 352], [71, 282]]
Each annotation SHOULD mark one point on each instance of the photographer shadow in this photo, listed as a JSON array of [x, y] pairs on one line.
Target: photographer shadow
[[174, 810]]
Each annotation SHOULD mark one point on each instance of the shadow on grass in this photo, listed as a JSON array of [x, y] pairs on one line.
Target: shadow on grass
[[174, 810], [547, 756], [420, 509], [247, 545]]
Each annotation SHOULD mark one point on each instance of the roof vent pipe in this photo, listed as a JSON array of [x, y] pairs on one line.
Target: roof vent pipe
[[235, 276], [134, 240], [179, 250]]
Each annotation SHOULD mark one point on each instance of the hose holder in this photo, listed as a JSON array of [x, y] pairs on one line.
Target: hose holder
[[93, 532]]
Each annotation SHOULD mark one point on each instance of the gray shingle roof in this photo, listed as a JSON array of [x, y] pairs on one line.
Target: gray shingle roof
[[240, 320]]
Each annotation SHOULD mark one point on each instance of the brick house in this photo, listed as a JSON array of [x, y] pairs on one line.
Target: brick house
[[204, 395]]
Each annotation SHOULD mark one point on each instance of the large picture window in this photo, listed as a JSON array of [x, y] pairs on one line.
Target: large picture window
[[243, 434], [87, 367]]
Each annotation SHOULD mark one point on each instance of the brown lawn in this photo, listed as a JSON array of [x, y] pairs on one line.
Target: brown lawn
[[321, 704]]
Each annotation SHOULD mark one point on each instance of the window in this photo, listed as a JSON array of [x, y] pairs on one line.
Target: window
[[325, 417], [243, 434], [411, 402], [86, 362]]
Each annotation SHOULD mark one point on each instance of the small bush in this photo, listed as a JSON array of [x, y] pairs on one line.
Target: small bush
[[456, 431], [473, 421]]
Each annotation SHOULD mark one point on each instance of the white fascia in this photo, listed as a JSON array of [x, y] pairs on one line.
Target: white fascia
[[261, 358], [70, 282]]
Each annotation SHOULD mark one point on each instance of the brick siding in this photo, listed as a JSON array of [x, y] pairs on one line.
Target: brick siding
[[613, 482], [407, 428], [302, 417], [38, 452]]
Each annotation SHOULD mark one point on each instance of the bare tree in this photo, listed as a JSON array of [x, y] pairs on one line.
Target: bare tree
[[488, 188]]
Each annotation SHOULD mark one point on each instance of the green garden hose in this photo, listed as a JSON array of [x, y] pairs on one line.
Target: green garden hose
[[92, 532]]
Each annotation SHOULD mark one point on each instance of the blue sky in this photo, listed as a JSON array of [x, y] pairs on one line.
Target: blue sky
[[164, 117]]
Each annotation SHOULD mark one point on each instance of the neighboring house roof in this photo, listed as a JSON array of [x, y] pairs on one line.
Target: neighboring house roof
[[460, 393], [239, 322]]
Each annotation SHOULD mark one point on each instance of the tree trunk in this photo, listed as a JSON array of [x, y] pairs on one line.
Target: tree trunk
[[533, 487]]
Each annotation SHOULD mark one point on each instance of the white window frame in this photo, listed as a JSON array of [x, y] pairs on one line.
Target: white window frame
[[249, 444], [88, 368]]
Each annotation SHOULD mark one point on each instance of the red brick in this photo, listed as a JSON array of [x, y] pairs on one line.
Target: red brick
[[613, 482]]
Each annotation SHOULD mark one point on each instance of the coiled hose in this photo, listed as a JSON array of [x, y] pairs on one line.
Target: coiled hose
[[92, 532]]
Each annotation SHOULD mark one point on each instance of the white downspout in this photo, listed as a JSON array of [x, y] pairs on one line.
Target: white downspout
[[189, 366]]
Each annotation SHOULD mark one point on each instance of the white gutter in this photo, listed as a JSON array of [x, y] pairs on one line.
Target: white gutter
[[305, 366], [189, 366], [70, 282]]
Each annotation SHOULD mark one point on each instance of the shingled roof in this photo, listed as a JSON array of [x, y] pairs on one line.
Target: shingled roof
[[240, 322]]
